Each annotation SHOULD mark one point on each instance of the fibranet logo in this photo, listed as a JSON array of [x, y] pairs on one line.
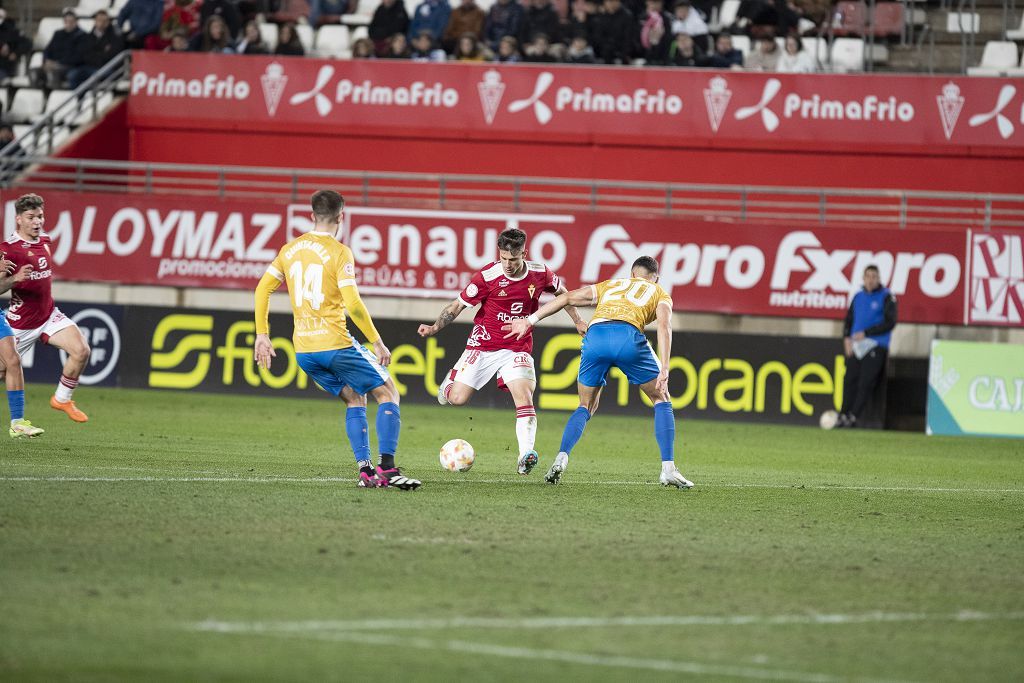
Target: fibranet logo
[[730, 385], [209, 87], [184, 352]]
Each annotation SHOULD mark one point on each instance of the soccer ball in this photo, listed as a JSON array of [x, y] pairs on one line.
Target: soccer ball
[[828, 419], [457, 456]]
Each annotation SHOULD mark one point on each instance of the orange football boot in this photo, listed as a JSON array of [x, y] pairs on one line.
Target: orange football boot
[[70, 408]]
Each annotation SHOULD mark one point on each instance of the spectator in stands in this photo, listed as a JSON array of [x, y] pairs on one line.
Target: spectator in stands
[[398, 47], [288, 42], [508, 51], [540, 18], [252, 41], [182, 14], [794, 59], [214, 37], [466, 18], [580, 52], [469, 49], [6, 138], [586, 14], [688, 20], [325, 11], [62, 54], [764, 57], [99, 46], [226, 10], [388, 19], [616, 38], [504, 19], [539, 50], [179, 41], [684, 52], [13, 45], [364, 49], [725, 55], [757, 18], [788, 22], [815, 11], [655, 33], [425, 49], [143, 18], [283, 11], [432, 16]]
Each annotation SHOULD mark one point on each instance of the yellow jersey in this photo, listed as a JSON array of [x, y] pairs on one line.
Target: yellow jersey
[[632, 300], [321, 277]]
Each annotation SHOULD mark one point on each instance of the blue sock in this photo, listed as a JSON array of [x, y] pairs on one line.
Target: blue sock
[[389, 423], [358, 432], [16, 401], [574, 429], [665, 430]]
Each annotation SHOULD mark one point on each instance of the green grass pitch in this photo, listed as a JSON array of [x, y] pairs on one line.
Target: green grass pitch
[[188, 537]]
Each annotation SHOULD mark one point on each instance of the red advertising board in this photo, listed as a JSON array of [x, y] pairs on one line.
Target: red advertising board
[[707, 267], [656, 106]]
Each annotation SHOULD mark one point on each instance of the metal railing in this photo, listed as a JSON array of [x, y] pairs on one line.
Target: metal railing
[[730, 203], [84, 105]]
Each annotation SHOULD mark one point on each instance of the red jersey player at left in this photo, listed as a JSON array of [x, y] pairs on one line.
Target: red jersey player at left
[[507, 289], [32, 313]]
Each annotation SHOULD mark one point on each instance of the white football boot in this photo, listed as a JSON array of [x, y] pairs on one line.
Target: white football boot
[[554, 474], [441, 398], [675, 478]]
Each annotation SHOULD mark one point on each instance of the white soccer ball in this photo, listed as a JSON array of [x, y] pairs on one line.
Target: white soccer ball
[[457, 456], [828, 419]]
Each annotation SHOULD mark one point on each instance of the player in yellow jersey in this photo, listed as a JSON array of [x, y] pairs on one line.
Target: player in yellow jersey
[[615, 338], [321, 277]]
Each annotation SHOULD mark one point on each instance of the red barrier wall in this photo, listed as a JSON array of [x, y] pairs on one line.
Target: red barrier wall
[[727, 127]]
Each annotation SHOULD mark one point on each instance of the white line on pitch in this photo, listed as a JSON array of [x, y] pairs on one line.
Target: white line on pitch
[[596, 622], [569, 657], [510, 481]]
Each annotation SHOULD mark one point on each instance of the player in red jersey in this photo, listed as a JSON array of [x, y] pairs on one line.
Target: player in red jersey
[[506, 289], [32, 314]]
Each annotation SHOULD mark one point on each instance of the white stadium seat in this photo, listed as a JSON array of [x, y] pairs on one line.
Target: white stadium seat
[[332, 41], [998, 59], [28, 103], [362, 15], [268, 32], [742, 43], [1017, 33], [47, 27], [305, 32], [54, 102], [358, 33], [727, 13], [847, 55], [87, 8]]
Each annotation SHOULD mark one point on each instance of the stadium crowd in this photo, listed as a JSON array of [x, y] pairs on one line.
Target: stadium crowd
[[655, 32]]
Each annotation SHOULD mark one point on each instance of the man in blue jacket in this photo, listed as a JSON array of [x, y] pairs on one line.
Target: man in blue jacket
[[143, 17], [867, 332]]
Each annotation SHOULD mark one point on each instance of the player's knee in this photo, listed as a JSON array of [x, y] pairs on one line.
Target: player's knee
[[79, 354], [386, 393], [457, 398]]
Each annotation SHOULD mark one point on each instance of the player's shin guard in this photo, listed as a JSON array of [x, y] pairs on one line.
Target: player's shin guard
[[358, 433], [665, 430], [574, 429], [16, 402], [526, 428], [389, 424]]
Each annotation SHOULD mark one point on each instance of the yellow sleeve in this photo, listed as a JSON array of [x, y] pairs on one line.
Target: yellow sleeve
[[357, 312], [269, 283], [664, 296]]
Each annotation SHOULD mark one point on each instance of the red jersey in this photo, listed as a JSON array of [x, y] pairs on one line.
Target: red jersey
[[31, 300], [503, 300]]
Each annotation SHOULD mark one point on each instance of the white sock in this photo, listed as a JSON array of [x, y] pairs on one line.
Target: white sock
[[668, 466], [526, 428], [65, 388], [562, 460]]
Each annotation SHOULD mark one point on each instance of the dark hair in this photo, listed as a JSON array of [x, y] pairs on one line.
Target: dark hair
[[27, 202], [512, 239], [327, 204], [647, 263], [871, 267]]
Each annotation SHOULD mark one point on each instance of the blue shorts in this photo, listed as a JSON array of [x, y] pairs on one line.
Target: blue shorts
[[333, 370], [5, 329], [620, 345]]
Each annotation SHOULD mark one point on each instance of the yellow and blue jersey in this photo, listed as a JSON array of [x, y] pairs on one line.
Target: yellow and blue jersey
[[631, 300]]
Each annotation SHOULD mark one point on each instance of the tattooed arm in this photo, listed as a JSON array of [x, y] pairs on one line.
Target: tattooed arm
[[448, 314], [9, 276]]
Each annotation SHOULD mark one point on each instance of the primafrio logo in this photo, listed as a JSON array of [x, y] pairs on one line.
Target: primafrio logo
[[540, 110], [491, 90], [814, 107], [997, 279], [716, 98], [951, 103], [273, 81], [1003, 122]]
